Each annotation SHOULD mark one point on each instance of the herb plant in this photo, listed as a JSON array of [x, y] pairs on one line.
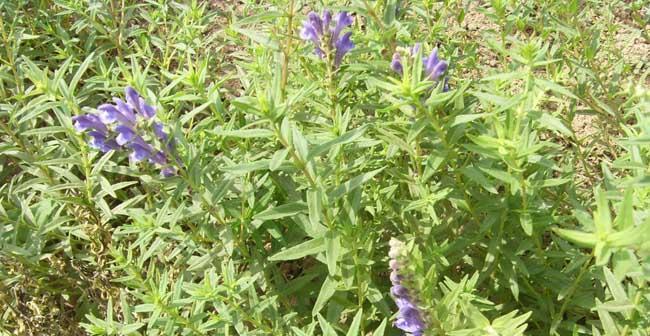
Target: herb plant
[[324, 168]]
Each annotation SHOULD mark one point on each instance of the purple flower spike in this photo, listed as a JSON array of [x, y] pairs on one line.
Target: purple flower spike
[[396, 63], [409, 317], [124, 126], [328, 42], [434, 67]]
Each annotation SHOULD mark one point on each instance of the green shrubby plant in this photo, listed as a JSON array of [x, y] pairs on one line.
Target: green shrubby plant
[[355, 172]]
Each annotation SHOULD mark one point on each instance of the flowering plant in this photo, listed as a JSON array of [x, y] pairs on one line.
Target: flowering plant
[[322, 173]]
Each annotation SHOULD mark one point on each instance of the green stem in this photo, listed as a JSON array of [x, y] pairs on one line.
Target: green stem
[[6, 41], [287, 49], [558, 317]]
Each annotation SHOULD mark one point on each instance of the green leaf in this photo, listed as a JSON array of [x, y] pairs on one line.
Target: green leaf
[[278, 159], [300, 144], [381, 328], [502, 175], [341, 140], [130, 328], [508, 76], [327, 290], [465, 118], [80, 72], [614, 286], [48, 130], [245, 133], [629, 237], [101, 162], [554, 124], [474, 315], [602, 216], [553, 182], [247, 167], [301, 250], [607, 321], [526, 223], [315, 205], [333, 248], [284, 210], [544, 84], [258, 37], [352, 184], [477, 176], [491, 98], [356, 323], [625, 217], [577, 237], [325, 326], [189, 115], [602, 252]]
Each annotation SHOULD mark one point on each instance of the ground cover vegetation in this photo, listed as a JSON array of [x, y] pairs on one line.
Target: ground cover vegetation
[[292, 167]]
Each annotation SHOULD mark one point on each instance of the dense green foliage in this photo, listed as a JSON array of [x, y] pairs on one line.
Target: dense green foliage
[[522, 193]]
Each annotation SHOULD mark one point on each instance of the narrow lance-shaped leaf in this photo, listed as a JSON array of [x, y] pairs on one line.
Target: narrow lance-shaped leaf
[[352, 184], [284, 210], [301, 250]]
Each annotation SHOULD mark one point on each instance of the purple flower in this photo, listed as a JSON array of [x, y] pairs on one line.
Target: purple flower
[[124, 134], [396, 63], [416, 48], [328, 41], [342, 47], [168, 171], [147, 111], [140, 152], [409, 318], [342, 20], [158, 131], [159, 158], [138, 104], [125, 109], [124, 126], [434, 68], [89, 121], [99, 141], [109, 114], [399, 291]]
